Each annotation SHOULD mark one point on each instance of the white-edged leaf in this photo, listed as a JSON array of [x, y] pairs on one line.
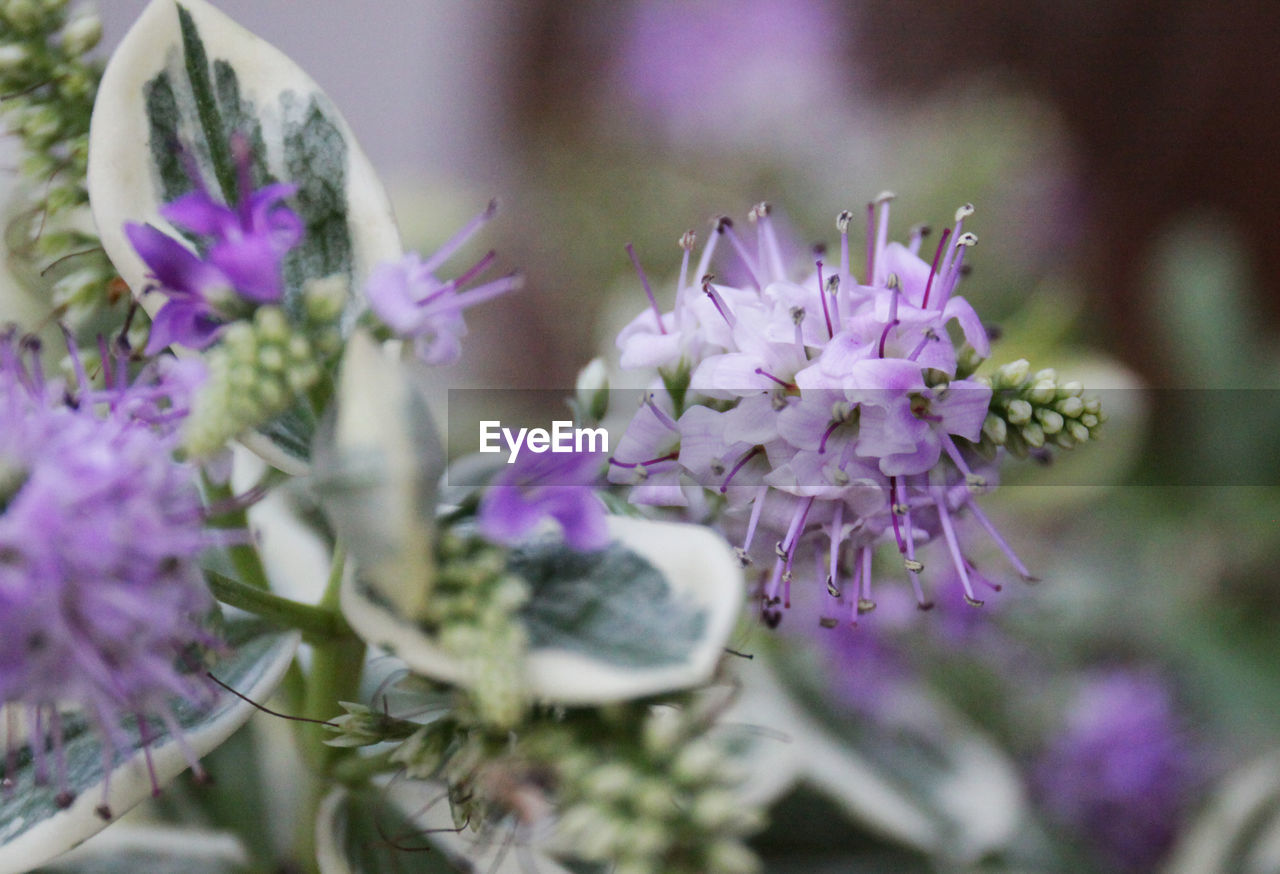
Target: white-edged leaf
[[378, 466], [184, 79], [1239, 830], [931, 780], [153, 849], [34, 830], [187, 74], [648, 615]]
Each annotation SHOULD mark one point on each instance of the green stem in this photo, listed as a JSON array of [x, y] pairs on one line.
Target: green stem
[[336, 666], [244, 556], [318, 625]]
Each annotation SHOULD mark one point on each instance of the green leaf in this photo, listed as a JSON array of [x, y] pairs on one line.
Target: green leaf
[[34, 829], [607, 604], [586, 651]]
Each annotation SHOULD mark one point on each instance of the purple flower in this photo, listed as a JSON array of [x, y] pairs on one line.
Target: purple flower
[[100, 530], [240, 267], [1121, 771], [410, 300], [706, 69], [536, 488], [820, 409]]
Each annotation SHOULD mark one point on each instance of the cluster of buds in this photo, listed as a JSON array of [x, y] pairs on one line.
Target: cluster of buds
[[47, 88], [472, 612], [641, 786], [659, 798], [1031, 411]]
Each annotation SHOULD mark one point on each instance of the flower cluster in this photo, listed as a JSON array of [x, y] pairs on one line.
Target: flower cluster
[[821, 414], [100, 529]]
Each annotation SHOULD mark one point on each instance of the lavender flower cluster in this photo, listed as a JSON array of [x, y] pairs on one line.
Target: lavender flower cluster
[[818, 414]]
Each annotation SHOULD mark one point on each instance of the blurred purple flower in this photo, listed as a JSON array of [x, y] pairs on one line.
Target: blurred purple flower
[[535, 488], [1121, 771], [410, 300], [240, 266], [100, 531], [719, 68]]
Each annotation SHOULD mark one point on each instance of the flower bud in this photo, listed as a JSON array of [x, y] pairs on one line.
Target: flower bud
[[82, 33], [592, 391]]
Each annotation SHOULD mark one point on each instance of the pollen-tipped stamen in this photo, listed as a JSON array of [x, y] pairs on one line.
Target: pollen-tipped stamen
[[648, 289]]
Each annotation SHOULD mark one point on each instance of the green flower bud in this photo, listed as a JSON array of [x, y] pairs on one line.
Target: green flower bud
[[13, 58], [609, 782], [697, 762], [272, 324], [324, 299], [1033, 434], [1013, 374], [82, 33], [1071, 407], [1050, 421], [731, 857], [1019, 412]]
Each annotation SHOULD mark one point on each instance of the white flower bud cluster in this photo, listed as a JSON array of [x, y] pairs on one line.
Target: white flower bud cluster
[[659, 800], [257, 371], [472, 611], [48, 85], [1036, 410]]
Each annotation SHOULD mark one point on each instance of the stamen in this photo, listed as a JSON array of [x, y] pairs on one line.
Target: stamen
[[687, 239], [871, 243], [726, 228], [913, 566], [826, 313], [953, 544], [842, 225], [660, 414], [865, 602], [648, 290], [933, 270], [882, 229], [892, 285], [929, 336], [771, 253], [750, 454], [794, 535], [144, 734], [957, 268], [464, 233], [757, 507], [1001, 543], [915, 237], [822, 444], [704, 262], [719, 304], [781, 382], [479, 294]]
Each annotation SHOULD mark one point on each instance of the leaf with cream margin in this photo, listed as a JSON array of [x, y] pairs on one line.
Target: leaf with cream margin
[[651, 613], [1238, 832], [33, 829], [379, 461], [153, 849], [357, 833], [184, 79], [931, 782]]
